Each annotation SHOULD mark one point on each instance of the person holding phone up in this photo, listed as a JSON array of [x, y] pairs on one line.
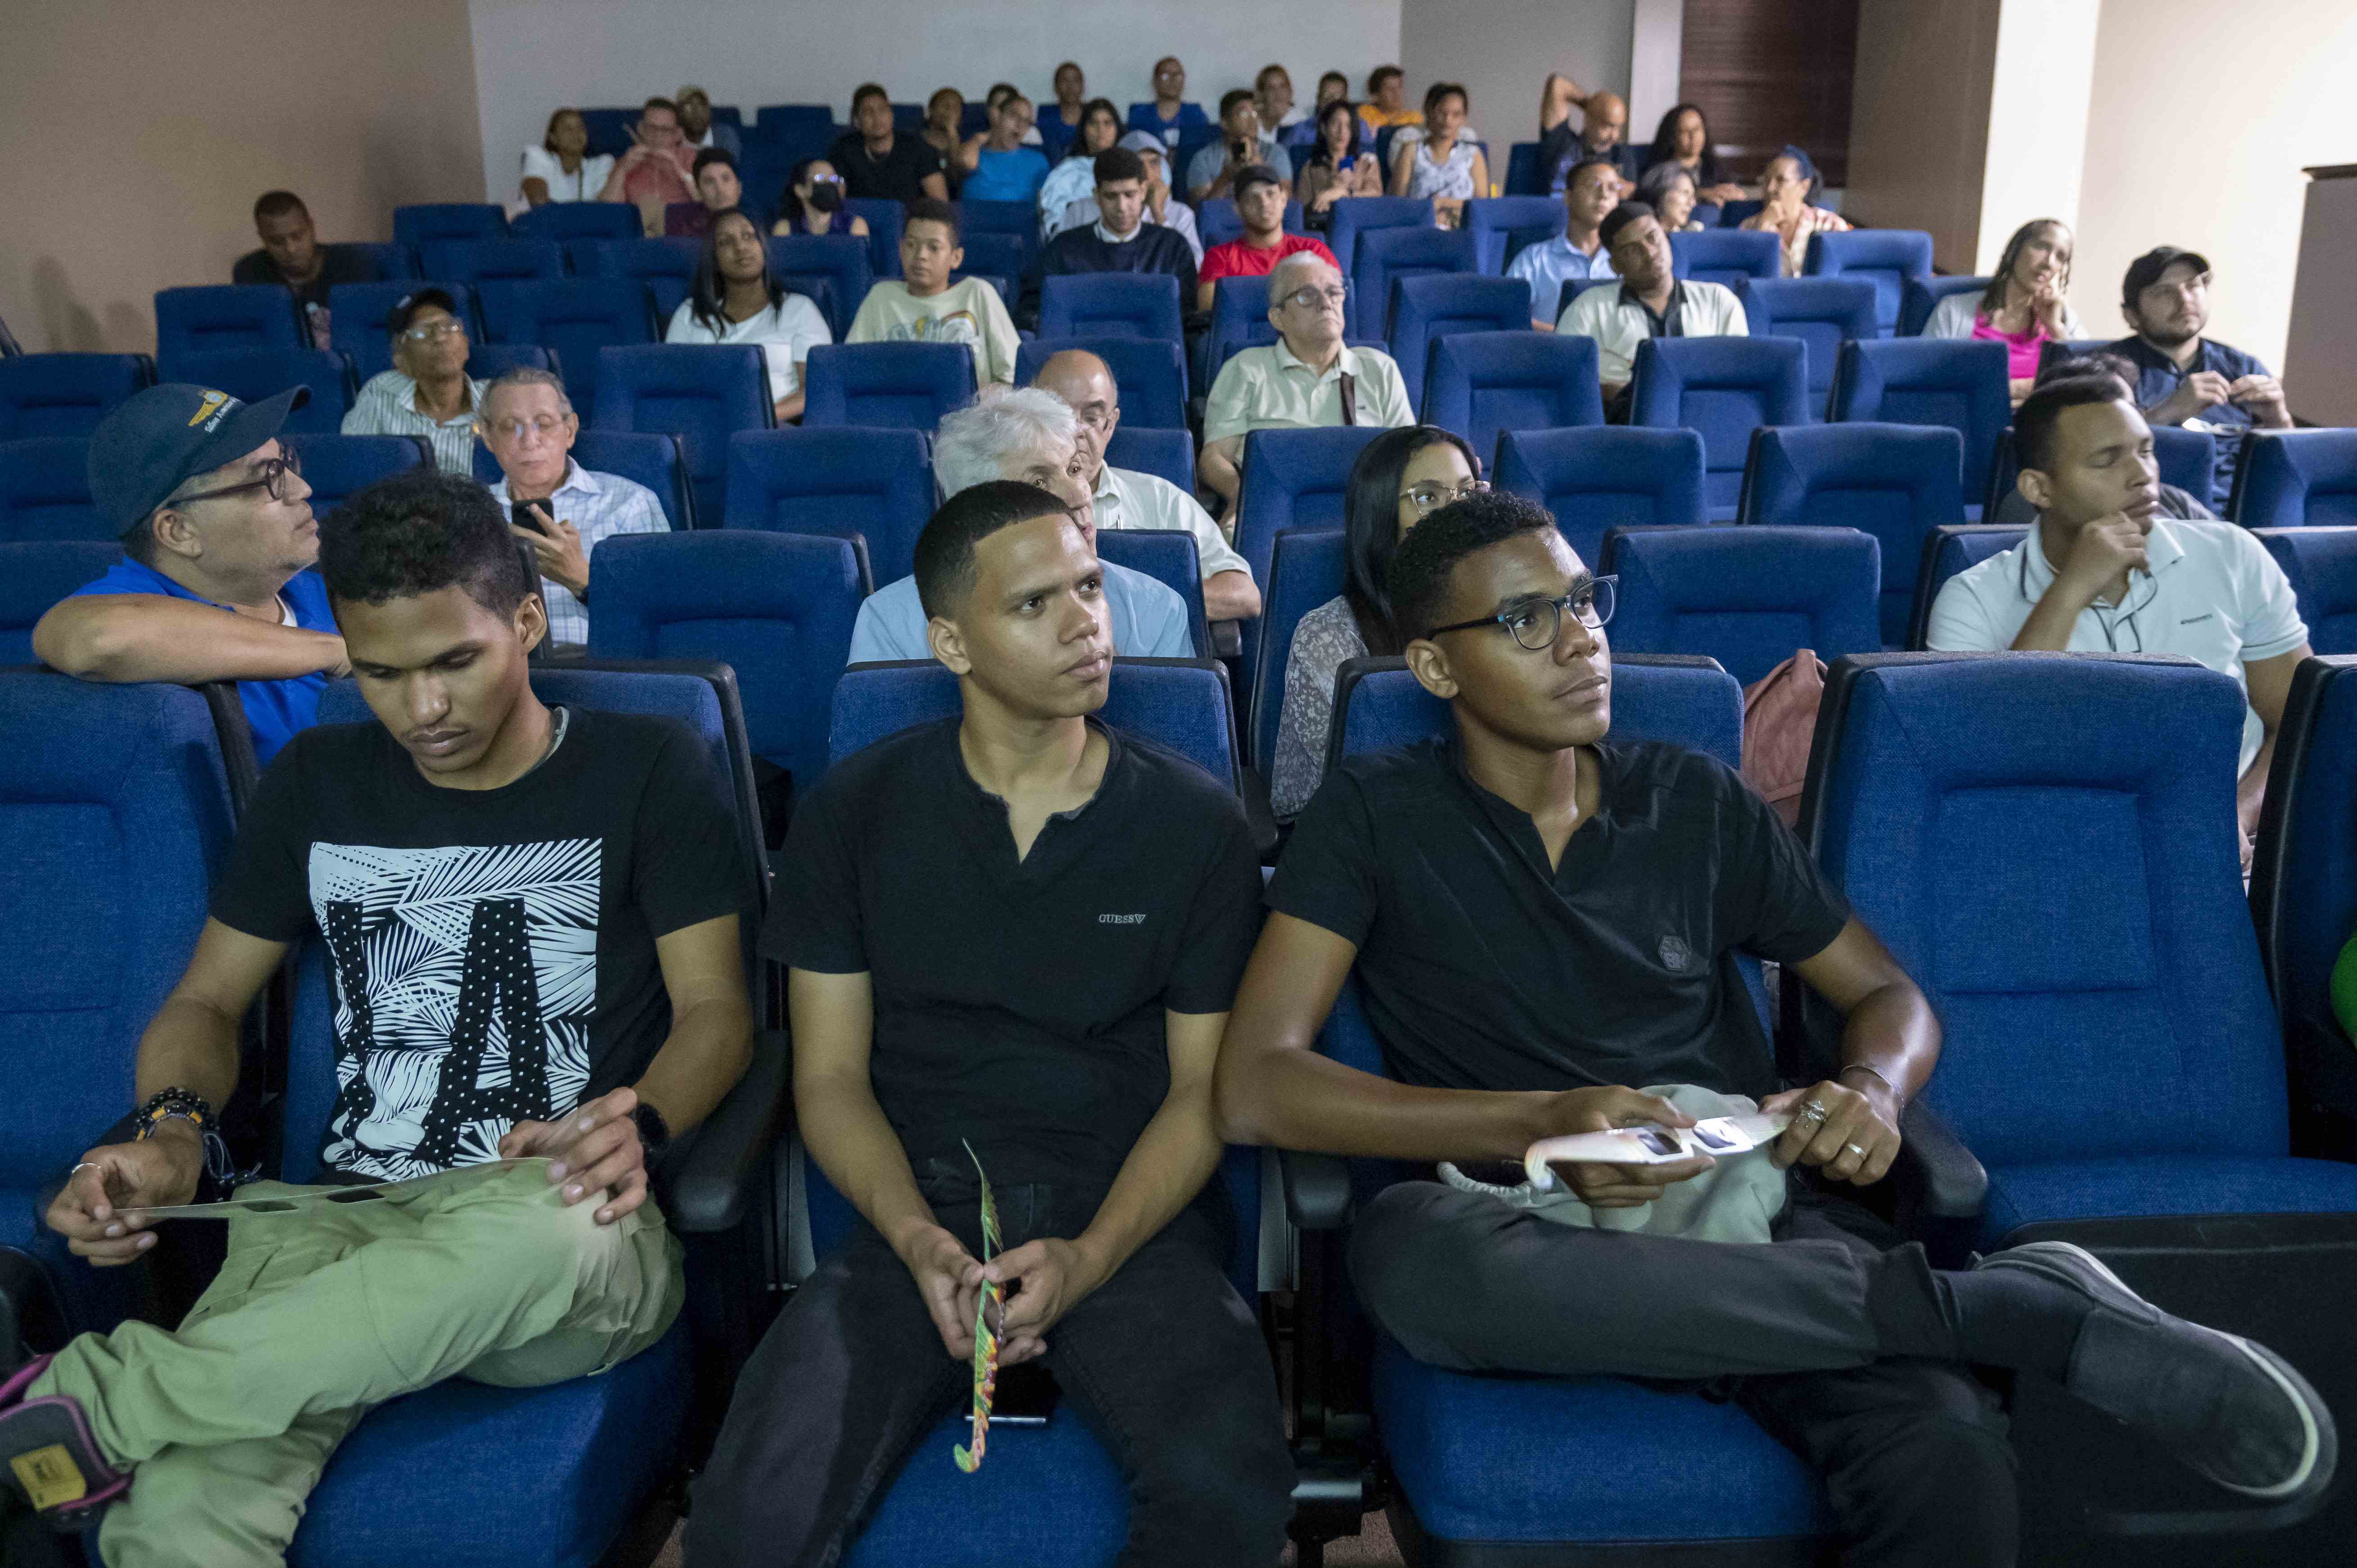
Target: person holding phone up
[[1212, 170]]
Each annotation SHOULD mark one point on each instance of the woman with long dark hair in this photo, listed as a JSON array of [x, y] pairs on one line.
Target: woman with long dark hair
[[1336, 166], [1075, 178], [811, 202], [1684, 138], [1444, 165], [735, 300], [1402, 476], [2023, 306]]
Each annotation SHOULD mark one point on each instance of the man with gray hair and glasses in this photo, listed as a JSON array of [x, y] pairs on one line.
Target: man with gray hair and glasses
[[554, 504]]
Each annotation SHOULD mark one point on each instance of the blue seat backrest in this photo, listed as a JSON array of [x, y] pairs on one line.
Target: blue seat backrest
[[1000, 257], [2301, 892], [1572, 289], [1217, 220], [704, 393], [567, 222], [420, 224], [1151, 373], [254, 374], [391, 261], [37, 574], [1148, 449], [2296, 478], [2047, 844], [485, 261], [1888, 258], [1823, 312], [1687, 701], [1239, 320], [899, 386], [357, 314], [1747, 597], [885, 220], [336, 466], [575, 317], [1291, 478], [1110, 304], [1599, 479], [1481, 384], [489, 361], [1307, 569], [45, 492], [1732, 214], [114, 815], [1522, 174], [1169, 557], [835, 480], [1897, 482], [1726, 255], [228, 315], [1428, 308], [2186, 458], [1958, 382], [1383, 255], [1501, 225], [1922, 295], [842, 259], [1722, 389], [666, 267], [610, 130], [1356, 215], [2321, 565], [66, 394], [1946, 552]]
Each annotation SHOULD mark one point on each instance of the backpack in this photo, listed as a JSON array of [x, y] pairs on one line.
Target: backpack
[[1780, 719]]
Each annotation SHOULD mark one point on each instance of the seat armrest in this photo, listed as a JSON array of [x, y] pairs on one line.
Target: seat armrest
[[1317, 1190], [1227, 640], [709, 1180], [1935, 1177]]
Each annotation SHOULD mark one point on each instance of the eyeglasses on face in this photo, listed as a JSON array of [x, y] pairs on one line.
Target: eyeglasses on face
[[430, 331], [1431, 496], [1534, 624], [1338, 297], [287, 462], [514, 429]]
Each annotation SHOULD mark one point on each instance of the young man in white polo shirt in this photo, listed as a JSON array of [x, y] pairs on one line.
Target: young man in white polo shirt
[[2130, 581], [1652, 302]]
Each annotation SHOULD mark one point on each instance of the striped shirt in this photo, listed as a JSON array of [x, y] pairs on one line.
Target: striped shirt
[[598, 506], [388, 406]]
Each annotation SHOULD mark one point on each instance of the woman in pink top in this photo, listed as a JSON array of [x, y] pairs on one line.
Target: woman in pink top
[[2023, 306], [1790, 181]]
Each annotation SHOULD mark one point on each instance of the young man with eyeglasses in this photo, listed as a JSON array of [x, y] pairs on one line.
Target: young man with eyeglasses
[[427, 393], [1307, 377], [2183, 378], [218, 540], [1541, 919]]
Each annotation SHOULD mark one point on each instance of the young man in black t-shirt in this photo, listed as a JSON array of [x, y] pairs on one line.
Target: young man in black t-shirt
[[1539, 918], [878, 163], [292, 257], [1013, 938], [532, 920]]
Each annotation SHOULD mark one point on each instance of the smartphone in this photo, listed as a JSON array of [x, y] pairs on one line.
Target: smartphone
[[1241, 151], [534, 514]]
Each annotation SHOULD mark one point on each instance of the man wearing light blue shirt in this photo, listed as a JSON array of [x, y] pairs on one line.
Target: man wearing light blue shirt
[[1590, 193]]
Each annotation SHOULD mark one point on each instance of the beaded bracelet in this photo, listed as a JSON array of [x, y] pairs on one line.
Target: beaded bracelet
[[184, 1103]]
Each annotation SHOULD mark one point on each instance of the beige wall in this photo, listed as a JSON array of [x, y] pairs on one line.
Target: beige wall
[[1502, 50], [2038, 101], [1918, 119], [139, 132]]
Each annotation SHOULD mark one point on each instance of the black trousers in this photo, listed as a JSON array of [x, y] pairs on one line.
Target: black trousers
[[1164, 1363], [1913, 1451]]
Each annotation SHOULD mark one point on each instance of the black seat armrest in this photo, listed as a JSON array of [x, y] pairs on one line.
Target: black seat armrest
[[709, 1180], [1936, 1179], [1317, 1190]]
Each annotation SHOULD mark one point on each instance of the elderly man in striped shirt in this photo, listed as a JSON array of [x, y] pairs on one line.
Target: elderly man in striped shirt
[[427, 393]]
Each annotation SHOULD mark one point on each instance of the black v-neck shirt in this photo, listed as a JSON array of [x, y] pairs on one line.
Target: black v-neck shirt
[[1018, 1004], [1483, 969]]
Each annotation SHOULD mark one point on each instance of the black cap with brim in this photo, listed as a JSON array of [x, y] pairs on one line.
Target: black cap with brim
[[2146, 269], [1254, 174], [405, 309], [155, 443]]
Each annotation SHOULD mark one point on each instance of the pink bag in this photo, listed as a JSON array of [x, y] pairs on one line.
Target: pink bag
[[1780, 719]]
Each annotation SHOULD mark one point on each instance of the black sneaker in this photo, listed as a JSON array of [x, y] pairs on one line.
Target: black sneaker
[[49, 1460], [2232, 1410]]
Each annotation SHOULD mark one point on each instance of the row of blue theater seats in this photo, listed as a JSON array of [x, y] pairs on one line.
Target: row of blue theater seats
[[2112, 747]]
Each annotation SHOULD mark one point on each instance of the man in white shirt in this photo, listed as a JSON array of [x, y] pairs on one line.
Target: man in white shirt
[[427, 393], [1652, 302], [2128, 581], [1306, 378], [528, 425], [1579, 251], [1126, 499]]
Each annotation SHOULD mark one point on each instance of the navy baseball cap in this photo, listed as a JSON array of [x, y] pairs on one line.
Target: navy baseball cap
[[154, 443], [1252, 175]]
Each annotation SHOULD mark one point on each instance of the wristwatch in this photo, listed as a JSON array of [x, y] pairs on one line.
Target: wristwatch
[[654, 1132]]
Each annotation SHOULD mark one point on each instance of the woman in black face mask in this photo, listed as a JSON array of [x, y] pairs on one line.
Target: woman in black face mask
[[812, 202]]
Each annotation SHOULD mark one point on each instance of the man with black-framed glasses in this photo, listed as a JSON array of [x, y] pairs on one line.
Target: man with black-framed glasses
[[217, 540], [427, 393]]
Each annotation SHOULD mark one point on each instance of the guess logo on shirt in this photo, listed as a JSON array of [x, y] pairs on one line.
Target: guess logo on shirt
[[1121, 920]]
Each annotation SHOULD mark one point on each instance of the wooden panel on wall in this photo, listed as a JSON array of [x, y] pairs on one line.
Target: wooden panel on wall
[[1769, 72]]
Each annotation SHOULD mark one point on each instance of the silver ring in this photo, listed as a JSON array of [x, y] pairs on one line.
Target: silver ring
[[85, 1165], [1858, 1149], [1813, 1111]]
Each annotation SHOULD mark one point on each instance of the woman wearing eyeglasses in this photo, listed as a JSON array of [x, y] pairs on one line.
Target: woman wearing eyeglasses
[[1401, 476], [427, 393], [811, 202]]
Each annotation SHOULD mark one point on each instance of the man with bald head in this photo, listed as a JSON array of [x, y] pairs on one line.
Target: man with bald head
[[1602, 132], [1124, 497], [1307, 377]]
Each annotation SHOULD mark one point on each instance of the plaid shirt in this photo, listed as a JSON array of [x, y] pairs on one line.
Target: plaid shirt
[[599, 506], [388, 406]]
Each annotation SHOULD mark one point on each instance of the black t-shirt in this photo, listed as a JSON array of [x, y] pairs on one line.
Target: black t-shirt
[[1018, 1005], [494, 951], [1482, 969], [898, 175], [1155, 249], [342, 264]]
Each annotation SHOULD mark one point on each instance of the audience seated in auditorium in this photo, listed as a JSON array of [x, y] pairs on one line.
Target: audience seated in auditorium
[[1386, 103], [1336, 166], [1401, 476], [1076, 177], [427, 393], [1260, 204], [1444, 164], [2183, 378], [811, 202], [996, 165], [1602, 132], [659, 168], [527, 427], [1540, 918], [923, 306], [1650, 302], [943, 130], [1273, 95], [2128, 581], [560, 169], [1307, 377], [1669, 190], [1682, 139], [1175, 216], [1124, 497], [735, 300], [2013, 509], [1243, 143], [2025, 307], [1579, 251], [718, 190], [1122, 240], [215, 516], [1789, 181], [702, 131], [879, 165], [564, 840], [1093, 1124], [1064, 115], [1169, 114], [1033, 436], [292, 257]]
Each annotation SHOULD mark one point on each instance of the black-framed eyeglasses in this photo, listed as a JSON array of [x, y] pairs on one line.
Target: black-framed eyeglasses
[[287, 462], [1534, 624], [1431, 497]]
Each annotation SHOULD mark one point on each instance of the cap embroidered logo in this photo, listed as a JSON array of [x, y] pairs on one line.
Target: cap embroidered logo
[[211, 412]]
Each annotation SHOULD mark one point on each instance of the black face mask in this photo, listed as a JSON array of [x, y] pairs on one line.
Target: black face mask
[[826, 198]]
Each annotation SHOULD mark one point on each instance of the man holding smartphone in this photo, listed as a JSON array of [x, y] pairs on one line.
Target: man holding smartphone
[[1213, 170]]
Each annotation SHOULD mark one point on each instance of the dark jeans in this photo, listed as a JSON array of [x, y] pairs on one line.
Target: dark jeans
[[1912, 1450], [1163, 1362]]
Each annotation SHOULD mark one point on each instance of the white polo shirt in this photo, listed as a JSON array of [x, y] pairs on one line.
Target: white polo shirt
[[1267, 388], [1619, 322], [2213, 595], [1128, 499]]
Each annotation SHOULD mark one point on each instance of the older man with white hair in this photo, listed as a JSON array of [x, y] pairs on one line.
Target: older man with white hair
[[1306, 378], [1033, 436]]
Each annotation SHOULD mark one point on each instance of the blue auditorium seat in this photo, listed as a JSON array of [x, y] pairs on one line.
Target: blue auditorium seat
[[1958, 382], [1502, 225], [566, 222], [34, 576], [358, 313], [66, 394], [1823, 312], [488, 361], [1747, 598], [1020, 219], [1947, 552], [1922, 295], [2186, 458], [1148, 449], [1888, 258], [1482, 384], [393, 262], [2296, 478], [899, 386], [1291, 479], [1522, 177], [257, 373], [492, 261], [1217, 222], [2321, 565], [1149, 372], [1685, 699], [666, 267], [45, 492], [335, 465], [1897, 482], [1727, 255], [576, 317], [1723, 388], [885, 220], [2302, 896], [1111, 305], [1600, 478], [1572, 289], [847, 481], [1239, 320], [448, 220], [229, 316], [1384, 255], [795, 121], [703, 393], [609, 131], [1307, 567], [1429, 308], [1167, 556], [1356, 215], [840, 259]]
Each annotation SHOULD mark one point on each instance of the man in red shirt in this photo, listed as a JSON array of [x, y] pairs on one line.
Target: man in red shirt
[[1260, 202], [658, 169]]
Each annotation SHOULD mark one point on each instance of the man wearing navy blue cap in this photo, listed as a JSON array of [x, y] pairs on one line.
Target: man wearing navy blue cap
[[217, 537]]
